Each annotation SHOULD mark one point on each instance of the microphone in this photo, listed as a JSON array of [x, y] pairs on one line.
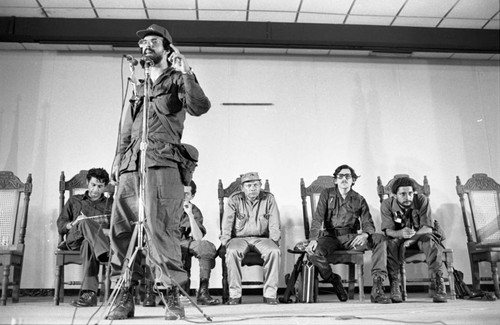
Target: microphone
[[147, 61], [131, 59]]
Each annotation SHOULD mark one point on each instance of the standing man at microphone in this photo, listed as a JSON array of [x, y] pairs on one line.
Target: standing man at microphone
[[174, 91]]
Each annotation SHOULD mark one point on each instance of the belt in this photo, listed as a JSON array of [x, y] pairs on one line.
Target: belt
[[337, 232]]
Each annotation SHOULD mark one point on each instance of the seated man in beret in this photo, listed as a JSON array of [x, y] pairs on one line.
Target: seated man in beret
[[251, 222]]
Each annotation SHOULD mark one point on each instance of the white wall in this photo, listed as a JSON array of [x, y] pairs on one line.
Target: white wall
[[60, 112]]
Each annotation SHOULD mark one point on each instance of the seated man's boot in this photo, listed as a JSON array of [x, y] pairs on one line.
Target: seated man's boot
[[440, 295], [396, 295], [87, 299], [149, 296], [234, 301], [378, 296], [203, 297], [124, 306], [174, 309], [336, 282]]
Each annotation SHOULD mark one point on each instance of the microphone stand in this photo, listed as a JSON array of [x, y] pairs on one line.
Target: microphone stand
[[137, 239]]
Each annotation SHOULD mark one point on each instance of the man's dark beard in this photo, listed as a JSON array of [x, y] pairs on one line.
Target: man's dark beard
[[154, 56]]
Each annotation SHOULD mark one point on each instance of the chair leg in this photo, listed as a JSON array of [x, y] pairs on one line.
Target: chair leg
[[476, 286], [361, 283], [57, 285], [316, 287], [352, 279], [17, 283], [225, 284], [494, 274], [451, 279], [61, 288], [5, 282], [403, 280]]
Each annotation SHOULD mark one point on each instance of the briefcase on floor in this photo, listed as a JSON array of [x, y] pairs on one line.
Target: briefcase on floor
[[308, 284]]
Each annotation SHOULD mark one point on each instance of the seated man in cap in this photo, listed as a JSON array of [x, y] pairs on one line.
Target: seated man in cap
[[251, 222]]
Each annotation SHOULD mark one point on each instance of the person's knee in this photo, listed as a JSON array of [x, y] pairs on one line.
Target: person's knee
[[320, 252], [232, 252], [378, 239], [393, 243], [207, 248], [275, 252], [425, 238]]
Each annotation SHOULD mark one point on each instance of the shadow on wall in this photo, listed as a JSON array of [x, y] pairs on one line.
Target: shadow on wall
[[450, 217], [292, 231]]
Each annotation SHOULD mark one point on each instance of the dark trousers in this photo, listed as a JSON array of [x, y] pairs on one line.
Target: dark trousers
[[204, 251], [426, 243], [329, 244], [164, 195], [88, 237]]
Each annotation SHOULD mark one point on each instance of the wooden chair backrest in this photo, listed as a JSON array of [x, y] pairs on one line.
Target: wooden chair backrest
[[14, 204], [310, 196], [483, 195], [385, 191]]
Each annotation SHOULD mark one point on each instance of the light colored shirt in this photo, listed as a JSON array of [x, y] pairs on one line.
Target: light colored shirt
[[245, 218]]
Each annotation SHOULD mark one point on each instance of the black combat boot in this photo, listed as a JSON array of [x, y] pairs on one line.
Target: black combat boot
[[124, 306], [203, 297], [149, 296], [396, 295], [336, 282], [174, 309], [87, 299], [377, 295], [440, 295]]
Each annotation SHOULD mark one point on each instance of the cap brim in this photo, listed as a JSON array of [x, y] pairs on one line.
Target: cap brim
[[145, 32], [250, 180]]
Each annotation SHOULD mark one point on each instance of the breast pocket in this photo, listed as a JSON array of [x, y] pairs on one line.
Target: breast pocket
[[240, 222], [264, 222]]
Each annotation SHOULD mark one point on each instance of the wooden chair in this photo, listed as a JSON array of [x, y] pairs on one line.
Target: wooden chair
[[76, 185], [13, 221], [251, 258], [351, 258], [412, 255], [483, 194]]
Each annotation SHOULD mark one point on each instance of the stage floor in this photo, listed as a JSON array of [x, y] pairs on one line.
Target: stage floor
[[419, 309]]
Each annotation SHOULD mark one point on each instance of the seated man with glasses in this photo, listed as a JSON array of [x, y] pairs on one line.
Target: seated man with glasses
[[348, 225]]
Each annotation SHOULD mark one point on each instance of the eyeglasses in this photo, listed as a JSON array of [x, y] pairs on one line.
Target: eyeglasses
[[347, 176], [153, 41]]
